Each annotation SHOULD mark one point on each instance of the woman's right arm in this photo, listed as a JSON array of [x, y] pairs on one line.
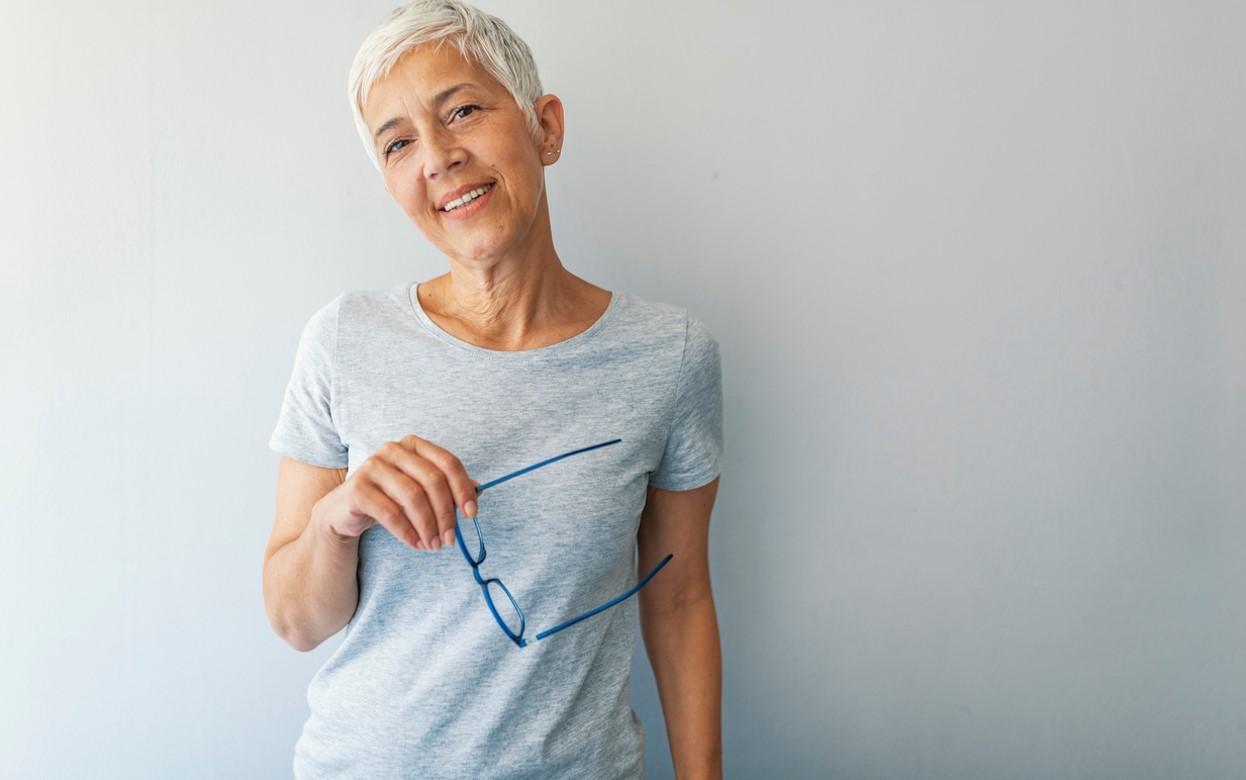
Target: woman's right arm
[[411, 487]]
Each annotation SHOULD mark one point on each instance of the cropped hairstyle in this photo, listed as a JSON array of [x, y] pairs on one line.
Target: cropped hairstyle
[[482, 39]]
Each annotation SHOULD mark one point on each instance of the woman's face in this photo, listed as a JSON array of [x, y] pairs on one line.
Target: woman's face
[[458, 156]]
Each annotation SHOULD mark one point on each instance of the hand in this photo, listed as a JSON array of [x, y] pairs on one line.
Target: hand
[[410, 487]]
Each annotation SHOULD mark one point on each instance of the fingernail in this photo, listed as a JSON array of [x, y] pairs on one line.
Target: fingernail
[[469, 509], [435, 544]]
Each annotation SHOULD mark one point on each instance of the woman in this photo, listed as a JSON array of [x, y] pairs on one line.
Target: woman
[[401, 400]]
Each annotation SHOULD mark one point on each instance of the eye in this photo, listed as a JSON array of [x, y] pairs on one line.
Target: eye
[[462, 112], [395, 145]]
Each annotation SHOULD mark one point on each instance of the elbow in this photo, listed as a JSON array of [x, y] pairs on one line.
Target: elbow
[[292, 632], [290, 622], [303, 644], [299, 640]]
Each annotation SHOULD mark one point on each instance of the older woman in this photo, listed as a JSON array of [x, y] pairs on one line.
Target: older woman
[[502, 445]]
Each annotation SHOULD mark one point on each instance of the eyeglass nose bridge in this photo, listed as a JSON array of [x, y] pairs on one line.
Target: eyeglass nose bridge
[[484, 584]]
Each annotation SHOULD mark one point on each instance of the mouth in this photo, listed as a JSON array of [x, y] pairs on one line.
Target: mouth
[[462, 198]]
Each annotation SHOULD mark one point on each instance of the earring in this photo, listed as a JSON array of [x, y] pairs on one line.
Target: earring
[[551, 154]]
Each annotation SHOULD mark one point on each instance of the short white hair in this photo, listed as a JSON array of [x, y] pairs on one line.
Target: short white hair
[[482, 39]]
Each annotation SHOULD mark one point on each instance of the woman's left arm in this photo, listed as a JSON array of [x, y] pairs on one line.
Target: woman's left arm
[[680, 626]]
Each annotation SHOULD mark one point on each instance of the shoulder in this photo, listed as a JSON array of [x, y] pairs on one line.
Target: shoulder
[[667, 323], [371, 305], [661, 321], [633, 308], [320, 330], [325, 317], [362, 314], [355, 313], [699, 342]]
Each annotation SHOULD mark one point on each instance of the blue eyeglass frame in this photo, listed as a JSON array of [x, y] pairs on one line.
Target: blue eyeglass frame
[[484, 582]]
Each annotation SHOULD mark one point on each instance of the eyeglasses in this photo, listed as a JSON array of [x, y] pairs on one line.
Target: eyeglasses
[[515, 624]]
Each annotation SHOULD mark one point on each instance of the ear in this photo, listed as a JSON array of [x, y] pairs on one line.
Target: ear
[[553, 130]]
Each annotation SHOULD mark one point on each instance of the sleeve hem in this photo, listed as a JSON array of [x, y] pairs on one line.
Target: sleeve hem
[[306, 456], [689, 482]]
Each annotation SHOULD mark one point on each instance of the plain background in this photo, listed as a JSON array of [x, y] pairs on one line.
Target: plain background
[[978, 270]]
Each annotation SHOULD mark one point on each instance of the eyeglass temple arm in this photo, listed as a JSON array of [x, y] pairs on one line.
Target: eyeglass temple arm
[[608, 604], [535, 466]]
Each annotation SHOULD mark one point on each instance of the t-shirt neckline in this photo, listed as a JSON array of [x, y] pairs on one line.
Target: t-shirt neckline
[[436, 330]]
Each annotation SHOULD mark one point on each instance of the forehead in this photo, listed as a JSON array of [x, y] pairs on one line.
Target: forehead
[[422, 74]]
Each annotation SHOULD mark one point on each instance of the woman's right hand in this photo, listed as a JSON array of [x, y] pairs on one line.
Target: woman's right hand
[[411, 487]]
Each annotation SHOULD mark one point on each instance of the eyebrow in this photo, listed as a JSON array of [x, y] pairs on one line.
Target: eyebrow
[[438, 99]]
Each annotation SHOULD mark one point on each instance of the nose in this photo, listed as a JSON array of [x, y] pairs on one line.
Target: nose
[[442, 154]]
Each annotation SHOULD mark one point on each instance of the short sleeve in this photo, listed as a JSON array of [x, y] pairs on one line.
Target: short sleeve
[[694, 447], [306, 429]]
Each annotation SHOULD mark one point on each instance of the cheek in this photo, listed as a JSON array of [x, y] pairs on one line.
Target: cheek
[[525, 172], [408, 194]]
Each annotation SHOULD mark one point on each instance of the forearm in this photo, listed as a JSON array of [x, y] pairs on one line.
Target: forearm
[[310, 586], [684, 651]]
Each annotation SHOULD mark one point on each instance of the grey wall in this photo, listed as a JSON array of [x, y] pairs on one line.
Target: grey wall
[[978, 274]]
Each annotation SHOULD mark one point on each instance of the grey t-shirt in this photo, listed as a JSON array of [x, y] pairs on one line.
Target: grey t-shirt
[[425, 684]]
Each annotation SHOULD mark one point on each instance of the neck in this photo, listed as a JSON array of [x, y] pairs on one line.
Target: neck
[[512, 306]]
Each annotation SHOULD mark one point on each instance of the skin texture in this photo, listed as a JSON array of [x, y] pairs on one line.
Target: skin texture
[[446, 127]]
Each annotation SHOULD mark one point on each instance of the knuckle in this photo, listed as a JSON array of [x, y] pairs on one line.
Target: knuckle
[[437, 483], [447, 517], [392, 518], [414, 494], [416, 512], [408, 534], [431, 480]]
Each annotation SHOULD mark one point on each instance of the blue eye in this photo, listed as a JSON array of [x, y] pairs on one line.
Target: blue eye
[[395, 146]]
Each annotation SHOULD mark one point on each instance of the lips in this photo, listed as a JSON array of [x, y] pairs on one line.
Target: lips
[[463, 196]]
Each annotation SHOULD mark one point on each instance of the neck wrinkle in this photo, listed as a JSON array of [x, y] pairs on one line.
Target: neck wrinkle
[[506, 311]]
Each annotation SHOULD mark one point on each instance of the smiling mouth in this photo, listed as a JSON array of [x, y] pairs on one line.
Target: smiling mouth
[[467, 198]]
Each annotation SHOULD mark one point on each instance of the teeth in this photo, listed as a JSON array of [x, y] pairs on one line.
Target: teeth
[[468, 198]]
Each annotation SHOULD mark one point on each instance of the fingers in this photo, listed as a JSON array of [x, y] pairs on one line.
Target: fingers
[[422, 484], [415, 505], [369, 501], [462, 487]]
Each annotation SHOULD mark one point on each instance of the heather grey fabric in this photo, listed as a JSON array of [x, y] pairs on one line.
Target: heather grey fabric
[[425, 684]]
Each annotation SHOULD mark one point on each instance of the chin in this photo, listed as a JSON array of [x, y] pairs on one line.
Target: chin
[[476, 255], [482, 252]]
